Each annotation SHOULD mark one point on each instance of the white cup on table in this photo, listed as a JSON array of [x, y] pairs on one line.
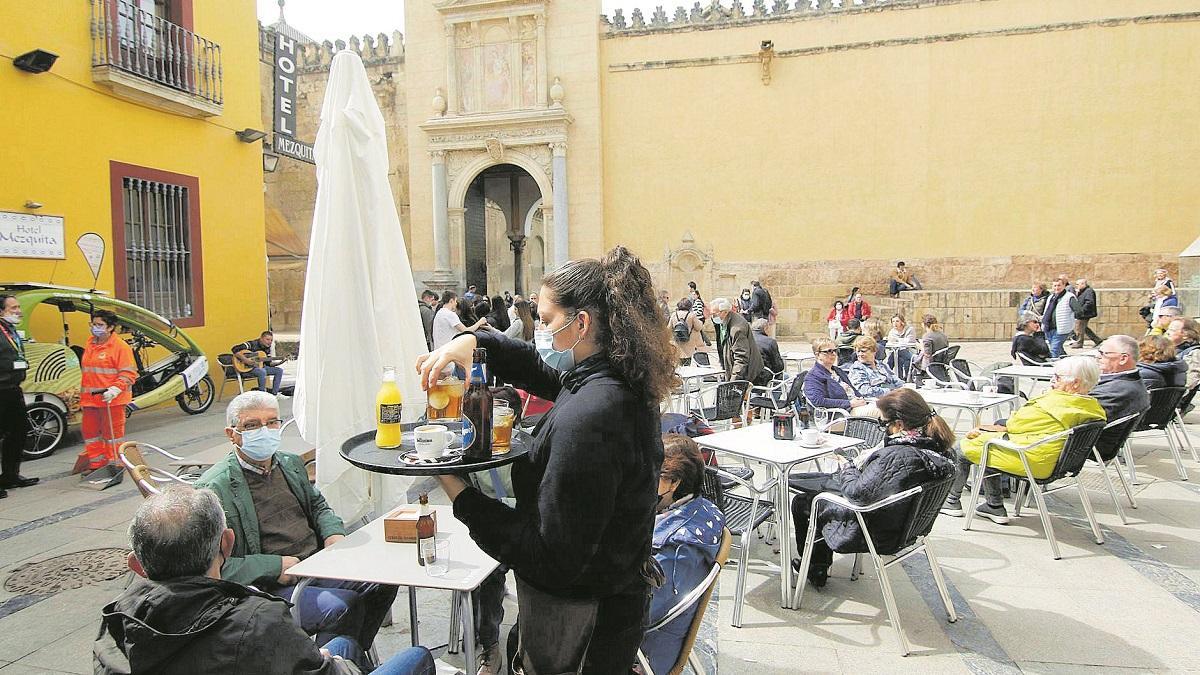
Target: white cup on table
[[810, 436]]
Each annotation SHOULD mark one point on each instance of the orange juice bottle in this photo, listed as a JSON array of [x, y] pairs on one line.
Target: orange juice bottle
[[388, 406]]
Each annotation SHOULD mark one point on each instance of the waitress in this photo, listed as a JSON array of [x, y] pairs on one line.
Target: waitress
[[14, 424], [108, 375], [579, 537]]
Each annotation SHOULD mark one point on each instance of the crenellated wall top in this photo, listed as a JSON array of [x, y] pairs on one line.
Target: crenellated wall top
[[313, 56], [727, 13]]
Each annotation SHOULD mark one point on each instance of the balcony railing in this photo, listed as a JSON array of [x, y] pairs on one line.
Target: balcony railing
[[136, 42]]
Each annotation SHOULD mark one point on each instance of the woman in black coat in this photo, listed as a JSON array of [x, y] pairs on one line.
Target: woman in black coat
[[1157, 363], [918, 449], [580, 535]]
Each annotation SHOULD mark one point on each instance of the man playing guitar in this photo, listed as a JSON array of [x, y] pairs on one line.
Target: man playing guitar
[[255, 357]]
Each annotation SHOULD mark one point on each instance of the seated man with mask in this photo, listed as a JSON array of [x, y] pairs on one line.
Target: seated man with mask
[[279, 519]]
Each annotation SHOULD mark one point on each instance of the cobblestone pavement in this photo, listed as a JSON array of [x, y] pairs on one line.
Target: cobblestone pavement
[[1131, 605]]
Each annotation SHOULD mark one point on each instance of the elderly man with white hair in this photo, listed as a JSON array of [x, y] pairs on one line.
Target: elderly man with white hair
[[1065, 405], [741, 356], [280, 519]]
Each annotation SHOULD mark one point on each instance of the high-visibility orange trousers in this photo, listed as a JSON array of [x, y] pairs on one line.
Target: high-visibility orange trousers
[[103, 433]]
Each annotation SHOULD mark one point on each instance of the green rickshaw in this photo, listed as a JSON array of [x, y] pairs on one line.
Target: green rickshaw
[[53, 381]]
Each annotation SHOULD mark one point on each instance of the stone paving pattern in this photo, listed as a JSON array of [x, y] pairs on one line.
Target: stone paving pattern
[[1131, 605]]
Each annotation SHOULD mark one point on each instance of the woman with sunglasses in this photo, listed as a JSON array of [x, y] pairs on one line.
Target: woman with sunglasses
[[580, 535], [918, 448], [826, 386]]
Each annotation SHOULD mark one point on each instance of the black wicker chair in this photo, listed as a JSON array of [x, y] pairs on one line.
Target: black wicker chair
[[1104, 452], [743, 515], [923, 503], [1161, 418], [1078, 442]]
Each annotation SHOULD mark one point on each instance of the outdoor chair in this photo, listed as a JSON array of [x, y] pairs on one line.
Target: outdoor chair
[[846, 355], [779, 395], [1028, 361], [1079, 441], [1180, 410], [743, 515], [923, 504], [149, 480], [1162, 417], [229, 373], [1121, 428], [698, 597], [729, 403], [939, 369], [868, 430]]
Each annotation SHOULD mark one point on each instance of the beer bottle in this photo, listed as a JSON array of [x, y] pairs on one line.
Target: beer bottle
[[477, 410], [426, 533], [804, 417]]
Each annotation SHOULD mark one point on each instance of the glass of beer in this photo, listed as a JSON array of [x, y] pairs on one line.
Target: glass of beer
[[502, 426], [445, 400]]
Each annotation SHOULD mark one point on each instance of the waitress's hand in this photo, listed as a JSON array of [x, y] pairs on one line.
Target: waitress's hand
[[457, 351], [452, 485]]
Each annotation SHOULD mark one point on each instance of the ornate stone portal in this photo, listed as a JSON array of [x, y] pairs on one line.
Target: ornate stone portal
[[494, 110]]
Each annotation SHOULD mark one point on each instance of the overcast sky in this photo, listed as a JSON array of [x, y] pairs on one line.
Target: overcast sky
[[333, 19]]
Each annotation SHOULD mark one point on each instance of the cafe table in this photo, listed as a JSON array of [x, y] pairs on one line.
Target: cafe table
[[757, 443], [974, 402], [689, 373], [797, 358], [365, 556], [1035, 373]]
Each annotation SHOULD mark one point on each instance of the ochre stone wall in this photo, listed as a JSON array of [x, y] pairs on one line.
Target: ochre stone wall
[[965, 292]]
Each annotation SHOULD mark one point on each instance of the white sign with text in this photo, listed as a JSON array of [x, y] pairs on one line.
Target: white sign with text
[[24, 235]]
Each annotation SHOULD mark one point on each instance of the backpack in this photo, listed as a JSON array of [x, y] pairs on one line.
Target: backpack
[[680, 330]]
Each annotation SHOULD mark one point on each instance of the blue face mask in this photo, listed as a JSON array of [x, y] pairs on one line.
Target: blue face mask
[[560, 360], [99, 333], [260, 444]]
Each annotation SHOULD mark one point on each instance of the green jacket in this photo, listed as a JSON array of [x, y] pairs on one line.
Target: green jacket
[[248, 564], [1052, 412]]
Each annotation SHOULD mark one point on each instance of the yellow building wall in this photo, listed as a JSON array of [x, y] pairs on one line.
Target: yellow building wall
[[59, 130], [1032, 139]]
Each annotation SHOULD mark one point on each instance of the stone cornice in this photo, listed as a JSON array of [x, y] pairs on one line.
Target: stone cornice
[[898, 42], [522, 127]]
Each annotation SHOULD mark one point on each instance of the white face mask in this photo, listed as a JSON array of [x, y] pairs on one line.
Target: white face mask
[[13, 319]]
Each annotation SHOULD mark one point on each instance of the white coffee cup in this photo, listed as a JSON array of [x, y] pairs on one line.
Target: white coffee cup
[[432, 440], [810, 436]]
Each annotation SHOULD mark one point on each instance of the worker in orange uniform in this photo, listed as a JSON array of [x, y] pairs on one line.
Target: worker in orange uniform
[[108, 375]]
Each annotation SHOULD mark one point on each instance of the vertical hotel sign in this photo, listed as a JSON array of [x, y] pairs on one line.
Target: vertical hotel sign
[[283, 139]]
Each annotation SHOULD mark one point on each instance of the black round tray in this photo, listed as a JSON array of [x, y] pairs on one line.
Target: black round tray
[[361, 451]]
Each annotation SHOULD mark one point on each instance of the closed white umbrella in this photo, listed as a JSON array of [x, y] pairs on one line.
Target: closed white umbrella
[[360, 306]]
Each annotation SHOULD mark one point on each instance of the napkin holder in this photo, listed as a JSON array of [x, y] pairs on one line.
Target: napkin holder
[[400, 525]]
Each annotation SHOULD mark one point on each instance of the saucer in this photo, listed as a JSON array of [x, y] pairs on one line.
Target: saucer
[[820, 441], [410, 458]]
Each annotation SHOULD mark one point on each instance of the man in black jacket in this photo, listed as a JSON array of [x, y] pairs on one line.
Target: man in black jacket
[[767, 346], [1084, 307], [14, 424], [182, 618], [427, 308], [1120, 390], [760, 301]]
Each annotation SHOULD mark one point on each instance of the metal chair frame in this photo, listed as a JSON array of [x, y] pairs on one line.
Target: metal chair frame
[[1077, 441], [719, 415], [744, 530], [697, 597], [940, 370], [1128, 422], [866, 429], [919, 544], [147, 478], [1165, 419], [228, 373], [780, 394]]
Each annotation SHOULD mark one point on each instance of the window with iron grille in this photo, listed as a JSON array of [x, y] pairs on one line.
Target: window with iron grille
[[158, 247]]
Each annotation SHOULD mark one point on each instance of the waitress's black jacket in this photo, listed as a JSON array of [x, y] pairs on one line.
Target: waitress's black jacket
[[587, 490]]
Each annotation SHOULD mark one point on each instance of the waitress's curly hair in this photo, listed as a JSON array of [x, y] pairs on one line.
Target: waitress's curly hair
[[617, 291]]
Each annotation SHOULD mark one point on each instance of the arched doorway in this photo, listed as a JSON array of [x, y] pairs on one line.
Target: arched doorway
[[497, 205]]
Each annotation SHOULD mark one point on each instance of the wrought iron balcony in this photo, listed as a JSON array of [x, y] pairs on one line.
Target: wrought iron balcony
[[145, 58]]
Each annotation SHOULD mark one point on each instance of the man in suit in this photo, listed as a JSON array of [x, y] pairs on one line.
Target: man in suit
[[742, 358]]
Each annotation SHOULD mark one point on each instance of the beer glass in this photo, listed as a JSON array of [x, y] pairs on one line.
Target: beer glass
[[445, 400], [502, 427]]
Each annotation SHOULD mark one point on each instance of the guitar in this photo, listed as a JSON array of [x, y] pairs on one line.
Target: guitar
[[259, 358]]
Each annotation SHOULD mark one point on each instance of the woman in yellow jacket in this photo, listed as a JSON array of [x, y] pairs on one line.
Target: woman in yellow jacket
[[1065, 405], [108, 375]]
